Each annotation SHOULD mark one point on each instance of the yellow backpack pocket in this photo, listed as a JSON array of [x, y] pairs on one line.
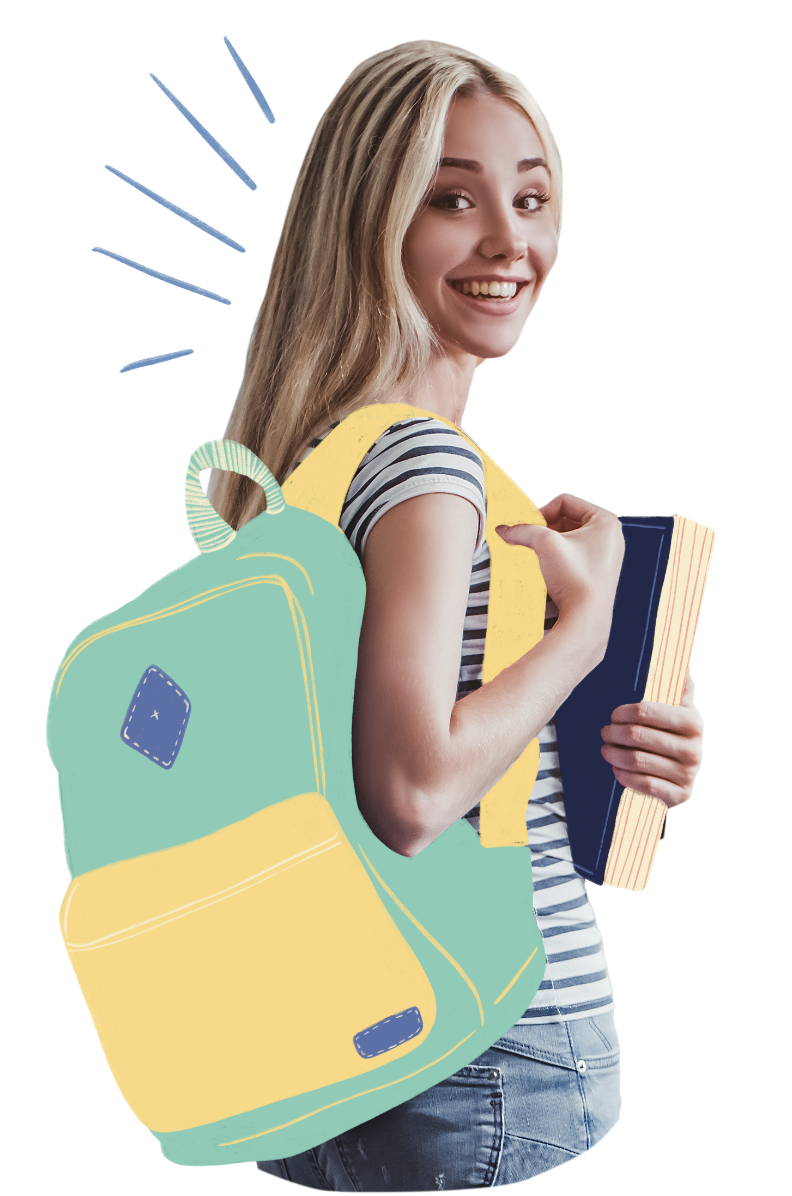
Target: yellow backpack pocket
[[243, 968]]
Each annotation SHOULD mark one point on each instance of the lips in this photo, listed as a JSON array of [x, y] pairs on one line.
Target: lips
[[491, 306], [521, 282]]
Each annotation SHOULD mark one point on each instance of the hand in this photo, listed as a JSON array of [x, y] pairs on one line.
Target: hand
[[656, 749], [580, 554]]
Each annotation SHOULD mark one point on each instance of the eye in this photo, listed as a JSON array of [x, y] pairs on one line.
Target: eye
[[452, 195], [541, 200], [538, 196]]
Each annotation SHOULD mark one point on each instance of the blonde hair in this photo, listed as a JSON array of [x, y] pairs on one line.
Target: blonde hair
[[339, 327]]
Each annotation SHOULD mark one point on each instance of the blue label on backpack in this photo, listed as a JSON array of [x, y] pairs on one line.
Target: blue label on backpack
[[157, 718], [389, 1033]]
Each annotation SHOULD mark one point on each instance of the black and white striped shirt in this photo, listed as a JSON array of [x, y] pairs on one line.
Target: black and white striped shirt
[[425, 456]]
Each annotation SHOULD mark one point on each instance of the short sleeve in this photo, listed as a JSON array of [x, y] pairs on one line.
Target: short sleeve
[[415, 456]]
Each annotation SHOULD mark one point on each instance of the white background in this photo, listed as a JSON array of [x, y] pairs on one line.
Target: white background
[[678, 322]]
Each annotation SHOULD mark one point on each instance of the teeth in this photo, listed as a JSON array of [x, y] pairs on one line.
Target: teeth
[[493, 290]]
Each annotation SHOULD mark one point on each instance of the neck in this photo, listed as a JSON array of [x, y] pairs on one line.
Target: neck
[[443, 387]]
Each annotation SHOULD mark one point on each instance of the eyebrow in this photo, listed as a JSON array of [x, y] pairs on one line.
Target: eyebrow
[[475, 167]]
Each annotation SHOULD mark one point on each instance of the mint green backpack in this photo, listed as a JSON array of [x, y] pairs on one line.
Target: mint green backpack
[[262, 971]]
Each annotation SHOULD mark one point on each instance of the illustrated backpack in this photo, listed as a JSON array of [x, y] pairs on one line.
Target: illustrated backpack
[[262, 971]]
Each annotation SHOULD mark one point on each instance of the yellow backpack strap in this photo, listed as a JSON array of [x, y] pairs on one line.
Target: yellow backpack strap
[[517, 592], [320, 484], [515, 623]]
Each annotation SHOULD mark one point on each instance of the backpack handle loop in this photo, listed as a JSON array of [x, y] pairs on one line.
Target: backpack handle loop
[[210, 532]]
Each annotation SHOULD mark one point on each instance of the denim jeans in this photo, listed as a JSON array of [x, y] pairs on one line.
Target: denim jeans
[[539, 1096]]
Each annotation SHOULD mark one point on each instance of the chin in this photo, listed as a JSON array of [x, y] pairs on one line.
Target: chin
[[481, 342], [490, 351]]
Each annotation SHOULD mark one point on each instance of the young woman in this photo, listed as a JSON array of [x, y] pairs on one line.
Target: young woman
[[421, 230]]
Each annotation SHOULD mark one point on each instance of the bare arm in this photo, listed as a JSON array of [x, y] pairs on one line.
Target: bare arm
[[421, 759]]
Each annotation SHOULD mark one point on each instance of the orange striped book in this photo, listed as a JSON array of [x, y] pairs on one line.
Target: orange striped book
[[640, 819]]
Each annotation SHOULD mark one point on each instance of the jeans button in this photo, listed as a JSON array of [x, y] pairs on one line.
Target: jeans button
[[581, 1066]]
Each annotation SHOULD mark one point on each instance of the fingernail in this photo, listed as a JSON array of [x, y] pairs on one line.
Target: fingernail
[[502, 527]]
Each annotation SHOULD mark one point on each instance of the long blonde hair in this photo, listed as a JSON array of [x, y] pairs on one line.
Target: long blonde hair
[[339, 327]]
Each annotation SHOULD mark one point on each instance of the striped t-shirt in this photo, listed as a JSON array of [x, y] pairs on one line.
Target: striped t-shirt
[[425, 456]]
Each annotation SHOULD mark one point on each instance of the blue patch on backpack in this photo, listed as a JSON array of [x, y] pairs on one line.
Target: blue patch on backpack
[[157, 718], [389, 1033]]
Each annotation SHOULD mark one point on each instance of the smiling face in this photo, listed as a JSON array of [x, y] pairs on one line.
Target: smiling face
[[478, 251]]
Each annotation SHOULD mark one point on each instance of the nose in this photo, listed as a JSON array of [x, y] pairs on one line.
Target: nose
[[505, 235]]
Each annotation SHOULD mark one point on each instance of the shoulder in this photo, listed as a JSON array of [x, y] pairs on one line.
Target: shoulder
[[428, 440], [420, 455]]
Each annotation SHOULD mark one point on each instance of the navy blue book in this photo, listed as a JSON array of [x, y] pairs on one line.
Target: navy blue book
[[591, 791]]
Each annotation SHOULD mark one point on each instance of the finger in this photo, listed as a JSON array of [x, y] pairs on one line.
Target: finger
[[680, 769], [643, 737], [671, 794], [567, 512], [682, 748], [571, 505], [679, 720]]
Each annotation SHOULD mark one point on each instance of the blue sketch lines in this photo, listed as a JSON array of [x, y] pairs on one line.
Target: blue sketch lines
[[135, 365], [207, 228], [208, 138], [251, 82], [175, 282]]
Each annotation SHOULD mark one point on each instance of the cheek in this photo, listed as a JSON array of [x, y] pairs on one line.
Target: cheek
[[429, 253], [552, 248]]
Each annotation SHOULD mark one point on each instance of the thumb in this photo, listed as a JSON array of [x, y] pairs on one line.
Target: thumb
[[687, 693], [529, 535]]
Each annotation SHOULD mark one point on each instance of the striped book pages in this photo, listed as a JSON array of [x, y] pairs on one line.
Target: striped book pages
[[639, 821]]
